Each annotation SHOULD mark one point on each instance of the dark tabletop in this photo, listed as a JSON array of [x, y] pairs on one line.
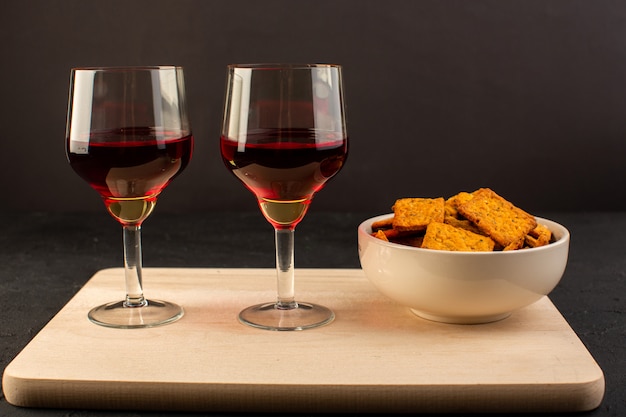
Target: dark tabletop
[[45, 258]]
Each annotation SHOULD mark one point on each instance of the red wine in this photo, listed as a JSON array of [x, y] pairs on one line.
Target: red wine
[[285, 168], [130, 167]]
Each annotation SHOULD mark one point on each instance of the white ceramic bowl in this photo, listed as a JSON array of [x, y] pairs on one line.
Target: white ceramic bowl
[[463, 287]]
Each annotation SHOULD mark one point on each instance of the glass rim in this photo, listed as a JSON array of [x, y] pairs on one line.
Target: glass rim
[[269, 65], [128, 68]]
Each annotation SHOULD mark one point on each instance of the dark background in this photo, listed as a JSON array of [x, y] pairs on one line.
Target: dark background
[[525, 97]]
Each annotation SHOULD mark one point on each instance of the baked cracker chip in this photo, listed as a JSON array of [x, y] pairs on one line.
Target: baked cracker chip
[[443, 236], [497, 218], [462, 223], [518, 244], [380, 235], [414, 214], [452, 203], [539, 236], [383, 224]]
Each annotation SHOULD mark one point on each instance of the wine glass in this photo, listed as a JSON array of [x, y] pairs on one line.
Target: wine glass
[[284, 136], [128, 136]]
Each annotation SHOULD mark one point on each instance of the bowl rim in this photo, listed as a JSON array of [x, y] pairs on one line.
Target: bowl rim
[[364, 229]]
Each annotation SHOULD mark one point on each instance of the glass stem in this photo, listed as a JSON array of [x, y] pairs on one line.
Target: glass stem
[[285, 269], [132, 266]]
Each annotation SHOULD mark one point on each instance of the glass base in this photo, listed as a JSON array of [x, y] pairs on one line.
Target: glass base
[[268, 317], [153, 313]]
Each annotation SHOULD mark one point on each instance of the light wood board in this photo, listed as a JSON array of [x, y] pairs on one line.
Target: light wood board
[[375, 357]]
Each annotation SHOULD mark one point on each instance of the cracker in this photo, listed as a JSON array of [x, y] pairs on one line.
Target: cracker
[[518, 244], [452, 215], [414, 214], [452, 203], [539, 236], [496, 217], [443, 236], [380, 235], [392, 234], [462, 223], [383, 224]]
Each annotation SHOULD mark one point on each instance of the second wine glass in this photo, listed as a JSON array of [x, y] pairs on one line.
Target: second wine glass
[[284, 136]]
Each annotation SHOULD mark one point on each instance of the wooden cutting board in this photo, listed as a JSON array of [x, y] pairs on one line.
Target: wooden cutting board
[[375, 357]]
